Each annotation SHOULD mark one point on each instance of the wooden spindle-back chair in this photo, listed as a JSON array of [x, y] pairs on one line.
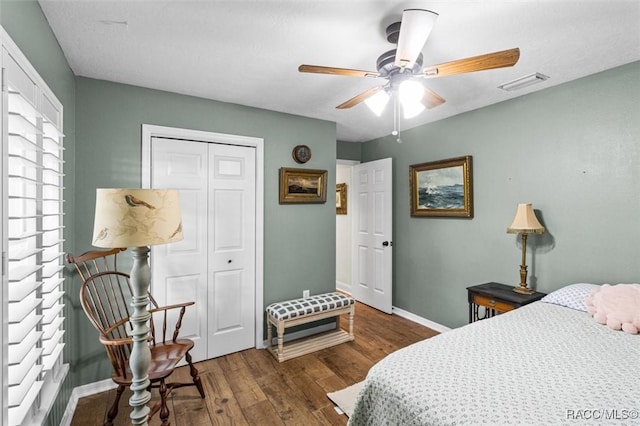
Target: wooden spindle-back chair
[[106, 299]]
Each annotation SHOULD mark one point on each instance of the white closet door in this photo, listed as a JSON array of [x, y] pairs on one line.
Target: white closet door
[[214, 265], [179, 270], [231, 293]]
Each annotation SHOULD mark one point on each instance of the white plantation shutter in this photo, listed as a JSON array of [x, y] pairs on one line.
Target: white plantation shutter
[[33, 232]]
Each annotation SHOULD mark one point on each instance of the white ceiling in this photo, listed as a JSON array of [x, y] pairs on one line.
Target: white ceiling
[[248, 52]]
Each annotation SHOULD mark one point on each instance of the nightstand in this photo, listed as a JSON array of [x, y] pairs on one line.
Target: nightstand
[[495, 297]]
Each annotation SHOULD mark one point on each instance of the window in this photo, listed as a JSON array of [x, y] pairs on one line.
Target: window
[[33, 254]]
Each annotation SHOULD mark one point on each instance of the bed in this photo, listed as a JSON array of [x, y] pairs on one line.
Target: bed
[[544, 363]]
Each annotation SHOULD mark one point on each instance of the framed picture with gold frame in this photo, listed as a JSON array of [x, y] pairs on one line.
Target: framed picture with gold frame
[[442, 188], [341, 198], [302, 186]]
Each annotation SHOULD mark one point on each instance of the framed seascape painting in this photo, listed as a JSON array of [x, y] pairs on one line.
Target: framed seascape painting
[[302, 186], [442, 188]]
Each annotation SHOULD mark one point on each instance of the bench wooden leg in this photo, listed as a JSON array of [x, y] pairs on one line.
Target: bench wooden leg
[[269, 333], [280, 337], [352, 313]]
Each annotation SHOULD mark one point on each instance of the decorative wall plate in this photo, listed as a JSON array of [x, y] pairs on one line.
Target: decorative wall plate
[[301, 153]]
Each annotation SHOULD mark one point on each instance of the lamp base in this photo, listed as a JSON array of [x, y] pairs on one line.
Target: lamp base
[[523, 290]]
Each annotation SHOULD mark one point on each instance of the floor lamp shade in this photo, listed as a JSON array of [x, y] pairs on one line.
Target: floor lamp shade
[[136, 217]]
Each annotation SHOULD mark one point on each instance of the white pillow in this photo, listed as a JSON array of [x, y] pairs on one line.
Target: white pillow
[[572, 296]]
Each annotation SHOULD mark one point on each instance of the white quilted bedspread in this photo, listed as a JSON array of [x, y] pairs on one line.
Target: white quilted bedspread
[[542, 364]]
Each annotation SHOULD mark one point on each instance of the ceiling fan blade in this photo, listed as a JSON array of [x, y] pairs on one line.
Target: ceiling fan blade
[[359, 98], [502, 59], [431, 99], [415, 27], [317, 69]]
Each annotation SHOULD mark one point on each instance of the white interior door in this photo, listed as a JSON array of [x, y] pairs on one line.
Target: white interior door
[[217, 195], [372, 234], [231, 295]]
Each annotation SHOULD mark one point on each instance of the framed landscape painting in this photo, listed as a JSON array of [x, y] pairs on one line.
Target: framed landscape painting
[[302, 186], [442, 188]]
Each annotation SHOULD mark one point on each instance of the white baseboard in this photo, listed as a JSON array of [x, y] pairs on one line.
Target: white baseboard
[[343, 287], [81, 392], [418, 319]]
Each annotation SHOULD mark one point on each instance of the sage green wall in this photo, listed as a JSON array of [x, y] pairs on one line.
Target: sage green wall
[[28, 28], [349, 151], [299, 240], [572, 150]]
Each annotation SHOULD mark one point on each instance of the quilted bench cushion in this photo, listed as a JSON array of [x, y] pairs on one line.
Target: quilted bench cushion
[[301, 307]]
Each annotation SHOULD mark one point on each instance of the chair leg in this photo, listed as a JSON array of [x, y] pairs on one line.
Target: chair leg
[[194, 374], [113, 411], [164, 410]]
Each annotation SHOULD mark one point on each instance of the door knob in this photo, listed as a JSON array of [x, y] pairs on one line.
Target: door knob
[[387, 243]]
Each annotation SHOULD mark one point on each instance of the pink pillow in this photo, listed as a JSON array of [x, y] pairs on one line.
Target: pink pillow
[[617, 306]]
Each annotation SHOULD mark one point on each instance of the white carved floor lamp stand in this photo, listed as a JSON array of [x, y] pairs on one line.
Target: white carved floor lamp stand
[[140, 353]]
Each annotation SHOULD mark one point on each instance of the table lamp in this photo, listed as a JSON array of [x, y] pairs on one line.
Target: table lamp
[[138, 218], [525, 222]]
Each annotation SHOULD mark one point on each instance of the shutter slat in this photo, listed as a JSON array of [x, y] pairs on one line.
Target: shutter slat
[[49, 361], [20, 311], [19, 290], [18, 392], [17, 351], [23, 254], [50, 314], [17, 372], [50, 299], [49, 330], [19, 331], [49, 345], [50, 284], [19, 273]]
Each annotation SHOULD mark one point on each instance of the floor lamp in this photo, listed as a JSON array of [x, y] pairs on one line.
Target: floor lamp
[[138, 218], [525, 222]]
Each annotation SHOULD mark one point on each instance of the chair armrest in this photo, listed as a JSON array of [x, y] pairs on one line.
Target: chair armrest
[[108, 341], [163, 310]]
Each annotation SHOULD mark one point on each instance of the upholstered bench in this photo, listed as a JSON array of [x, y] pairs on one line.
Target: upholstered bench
[[301, 311]]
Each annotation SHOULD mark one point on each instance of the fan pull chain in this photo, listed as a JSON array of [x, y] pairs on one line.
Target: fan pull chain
[[396, 118]]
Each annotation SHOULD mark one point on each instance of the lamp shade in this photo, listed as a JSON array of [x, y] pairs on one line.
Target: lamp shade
[[136, 217], [378, 102], [525, 221]]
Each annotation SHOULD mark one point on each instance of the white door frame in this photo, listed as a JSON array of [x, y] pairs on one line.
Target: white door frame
[[150, 130]]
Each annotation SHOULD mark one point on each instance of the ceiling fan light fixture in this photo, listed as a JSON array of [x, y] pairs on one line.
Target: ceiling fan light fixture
[[378, 102], [412, 109], [415, 27], [410, 94]]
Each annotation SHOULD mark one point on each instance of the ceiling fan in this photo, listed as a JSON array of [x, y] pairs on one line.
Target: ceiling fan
[[402, 67]]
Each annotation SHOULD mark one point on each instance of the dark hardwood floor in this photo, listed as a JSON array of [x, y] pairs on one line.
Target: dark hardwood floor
[[252, 388]]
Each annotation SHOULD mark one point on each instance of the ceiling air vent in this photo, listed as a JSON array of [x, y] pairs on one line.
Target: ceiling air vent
[[525, 81]]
